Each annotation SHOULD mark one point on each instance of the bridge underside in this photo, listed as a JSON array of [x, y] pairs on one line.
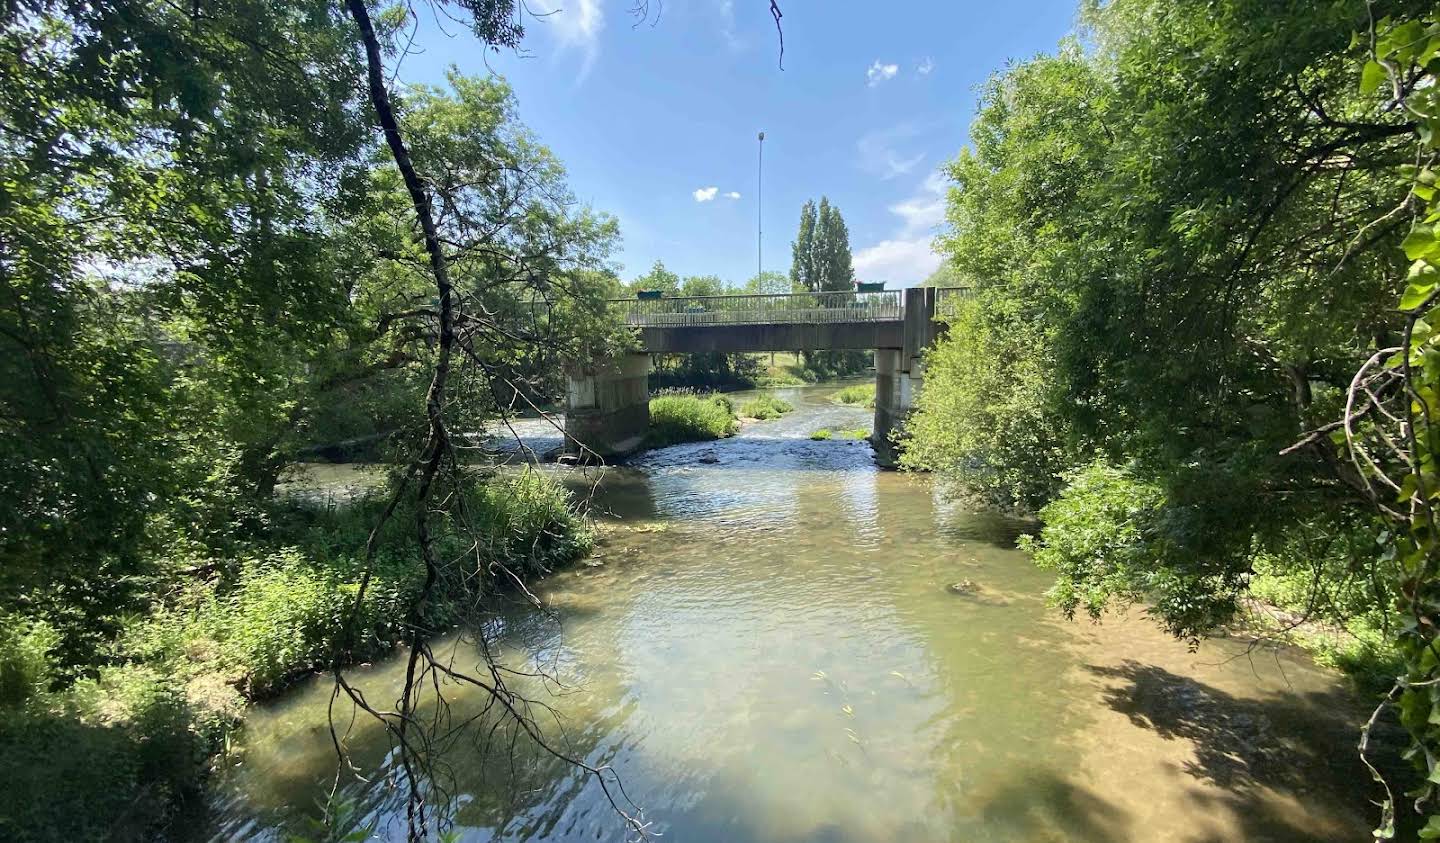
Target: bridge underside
[[734, 339], [608, 408]]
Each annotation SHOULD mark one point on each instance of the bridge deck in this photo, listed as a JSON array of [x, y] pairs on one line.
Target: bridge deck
[[830, 308]]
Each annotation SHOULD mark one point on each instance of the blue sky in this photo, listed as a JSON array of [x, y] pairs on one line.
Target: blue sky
[[657, 123]]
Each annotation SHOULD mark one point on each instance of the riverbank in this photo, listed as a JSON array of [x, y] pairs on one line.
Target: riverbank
[[114, 754]]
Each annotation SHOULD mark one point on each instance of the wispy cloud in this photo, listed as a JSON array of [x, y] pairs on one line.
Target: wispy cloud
[[726, 9], [925, 67], [925, 210], [883, 151], [574, 24], [732, 195], [705, 194], [908, 257], [879, 72]]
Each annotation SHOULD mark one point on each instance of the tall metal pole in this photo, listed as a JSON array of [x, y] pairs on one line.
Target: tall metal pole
[[759, 219]]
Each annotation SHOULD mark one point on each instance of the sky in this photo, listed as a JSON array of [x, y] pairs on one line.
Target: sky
[[656, 121]]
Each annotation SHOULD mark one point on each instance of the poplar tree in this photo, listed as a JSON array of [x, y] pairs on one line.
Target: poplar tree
[[831, 251], [802, 264]]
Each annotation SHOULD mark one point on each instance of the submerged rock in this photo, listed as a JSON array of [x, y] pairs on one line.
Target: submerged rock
[[963, 587]]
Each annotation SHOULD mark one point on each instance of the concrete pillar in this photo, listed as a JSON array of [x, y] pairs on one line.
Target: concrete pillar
[[607, 406], [900, 373]]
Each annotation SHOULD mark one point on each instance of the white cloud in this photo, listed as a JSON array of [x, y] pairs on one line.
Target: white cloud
[[924, 211], [907, 257], [726, 9], [574, 24], [881, 154], [880, 73], [925, 67], [905, 262], [705, 194], [732, 195]]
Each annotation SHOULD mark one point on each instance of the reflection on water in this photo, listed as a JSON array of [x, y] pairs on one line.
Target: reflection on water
[[781, 643]]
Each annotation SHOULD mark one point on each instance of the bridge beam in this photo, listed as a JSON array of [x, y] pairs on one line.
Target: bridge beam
[[607, 406]]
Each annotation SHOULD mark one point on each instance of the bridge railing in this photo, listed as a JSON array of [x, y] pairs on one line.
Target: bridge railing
[[756, 309], [948, 301]]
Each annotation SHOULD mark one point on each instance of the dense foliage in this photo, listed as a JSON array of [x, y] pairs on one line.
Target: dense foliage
[[1184, 232], [207, 264]]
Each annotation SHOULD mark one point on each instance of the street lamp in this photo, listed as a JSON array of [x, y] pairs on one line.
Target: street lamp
[[759, 205]]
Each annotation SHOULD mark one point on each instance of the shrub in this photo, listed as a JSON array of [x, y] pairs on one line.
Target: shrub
[[1108, 533], [860, 393], [821, 434], [25, 668], [103, 761], [766, 407], [690, 418]]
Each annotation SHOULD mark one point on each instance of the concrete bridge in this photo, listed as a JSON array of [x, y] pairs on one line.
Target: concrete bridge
[[607, 404]]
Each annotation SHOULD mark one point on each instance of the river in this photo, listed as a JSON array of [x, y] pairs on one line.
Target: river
[[777, 642]]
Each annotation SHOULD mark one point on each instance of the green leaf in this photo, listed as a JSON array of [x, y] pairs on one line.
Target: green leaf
[[1371, 77], [1419, 242], [1415, 295], [1431, 831]]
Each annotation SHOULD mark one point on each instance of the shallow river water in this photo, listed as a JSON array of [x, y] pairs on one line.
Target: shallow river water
[[778, 642]]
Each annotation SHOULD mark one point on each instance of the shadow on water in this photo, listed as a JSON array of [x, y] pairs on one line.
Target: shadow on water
[[1039, 805]]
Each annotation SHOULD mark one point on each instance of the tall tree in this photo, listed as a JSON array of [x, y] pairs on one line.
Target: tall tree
[[803, 272], [834, 269]]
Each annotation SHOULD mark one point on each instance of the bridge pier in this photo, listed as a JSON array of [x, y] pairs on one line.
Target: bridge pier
[[607, 406], [898, 380], [900, 373]]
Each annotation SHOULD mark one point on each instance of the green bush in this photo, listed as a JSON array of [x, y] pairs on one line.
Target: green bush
[[765, 407], [690, 418], [860, 393], [821, 434], [25, 668], [284, 614], [104, 761], [1106, 535]]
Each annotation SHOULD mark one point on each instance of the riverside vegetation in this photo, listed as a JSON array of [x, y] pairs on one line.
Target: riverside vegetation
[[208, 262], [1201, 347]]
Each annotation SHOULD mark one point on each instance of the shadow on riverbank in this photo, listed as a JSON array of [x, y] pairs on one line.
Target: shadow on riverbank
[[1249, 751]]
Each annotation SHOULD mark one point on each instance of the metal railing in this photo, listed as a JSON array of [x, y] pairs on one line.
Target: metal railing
[[784, 308], [949, 299]]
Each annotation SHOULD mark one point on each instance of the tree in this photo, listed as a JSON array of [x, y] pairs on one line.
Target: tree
[[804, 270], [834, 270], [704, 285], [658, 278], [769, 284], [821, 262]]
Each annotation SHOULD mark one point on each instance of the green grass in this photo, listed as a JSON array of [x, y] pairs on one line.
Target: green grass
[[679, 418], [857, 433], [822, 434], [860, 393], [765, 407]]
